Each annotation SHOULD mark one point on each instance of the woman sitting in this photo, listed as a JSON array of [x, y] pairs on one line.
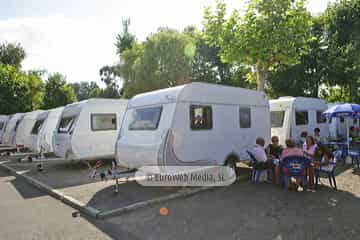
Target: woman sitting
[[274, 151]]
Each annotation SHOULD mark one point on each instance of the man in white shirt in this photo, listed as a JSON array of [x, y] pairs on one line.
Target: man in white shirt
[[260, 155], [259, 151]]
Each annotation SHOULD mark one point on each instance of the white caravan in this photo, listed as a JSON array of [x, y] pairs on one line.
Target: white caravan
[[192, 124], [43, 130], [3, 121], [22, 136], [290, 116], [11, 127], [87, 130]]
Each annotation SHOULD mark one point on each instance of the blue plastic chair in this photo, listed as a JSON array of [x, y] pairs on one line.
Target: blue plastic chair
[[256, 172], [355, 157], [337, 155], [295, 166]]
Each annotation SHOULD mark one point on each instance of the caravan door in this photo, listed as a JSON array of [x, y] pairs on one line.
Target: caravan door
[[62, 138], [280, 122]]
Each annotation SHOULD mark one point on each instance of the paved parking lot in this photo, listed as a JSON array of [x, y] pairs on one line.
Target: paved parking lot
[[240, 211]]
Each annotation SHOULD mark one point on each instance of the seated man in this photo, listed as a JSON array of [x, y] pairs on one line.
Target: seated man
[[259, 153]]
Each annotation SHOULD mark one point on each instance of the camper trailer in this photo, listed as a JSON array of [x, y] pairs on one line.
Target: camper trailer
[[87, 130], [43, 130], [22, 136], [290, 116], [3, 121], [192, 124], [11, 127]]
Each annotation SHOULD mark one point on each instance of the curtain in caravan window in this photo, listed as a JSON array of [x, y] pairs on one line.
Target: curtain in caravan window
[[201, 117], [37, 126], [102, 122], [302, 117], [245, 117]]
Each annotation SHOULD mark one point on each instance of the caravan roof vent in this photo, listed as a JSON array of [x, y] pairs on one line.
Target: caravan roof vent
[[286, 97]]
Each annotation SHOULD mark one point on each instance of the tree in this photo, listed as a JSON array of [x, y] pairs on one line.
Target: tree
[[19, 91], [125, 39], [110, 76], [308, 76], [57, 92], [12, 54], [163, 60], [207, 65], [271, 32], [342, 28], [86, 90]]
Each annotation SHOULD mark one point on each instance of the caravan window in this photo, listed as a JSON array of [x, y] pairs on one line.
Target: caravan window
[[17, 124], [302, 118], [355, 121], [200, 117], [342, 119], [146, 118], [102, 122], [320, 118], [1, 125], [245, 117], [277, 118], [66, 124], [37, 126]]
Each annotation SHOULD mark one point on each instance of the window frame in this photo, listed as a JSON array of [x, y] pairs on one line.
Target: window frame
[[130, 128], [38, 128], [321, 117], [70, 127], [245, 108], [307, 114], [283, 119], [191, 110], [92, 115]]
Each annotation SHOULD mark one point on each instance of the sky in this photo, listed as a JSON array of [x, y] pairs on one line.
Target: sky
[[76, 37]]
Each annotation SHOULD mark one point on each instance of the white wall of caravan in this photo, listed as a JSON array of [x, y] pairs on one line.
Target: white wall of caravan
[[225, 138], [23, 132], [44, 141], [3, 121], [81, 142], [10, 131], [290, 129], [144, 143]]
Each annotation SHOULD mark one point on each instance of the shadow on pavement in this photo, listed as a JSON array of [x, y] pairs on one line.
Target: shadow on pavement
[[244, 211]]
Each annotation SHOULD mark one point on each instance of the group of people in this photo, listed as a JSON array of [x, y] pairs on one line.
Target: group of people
[[271, 157]]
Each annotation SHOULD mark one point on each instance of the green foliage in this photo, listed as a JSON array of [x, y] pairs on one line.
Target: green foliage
[[125, 39], [12, 54], [19, 91], [306, 77], [163, 60], [110, 76], [86, 90], [271, 32], [343, 38], [207, 65], [57, 92]]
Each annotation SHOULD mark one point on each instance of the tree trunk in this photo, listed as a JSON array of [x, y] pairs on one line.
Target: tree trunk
[[261, 73]]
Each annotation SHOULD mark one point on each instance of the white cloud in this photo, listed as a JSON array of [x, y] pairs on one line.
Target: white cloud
[[78, 46]]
